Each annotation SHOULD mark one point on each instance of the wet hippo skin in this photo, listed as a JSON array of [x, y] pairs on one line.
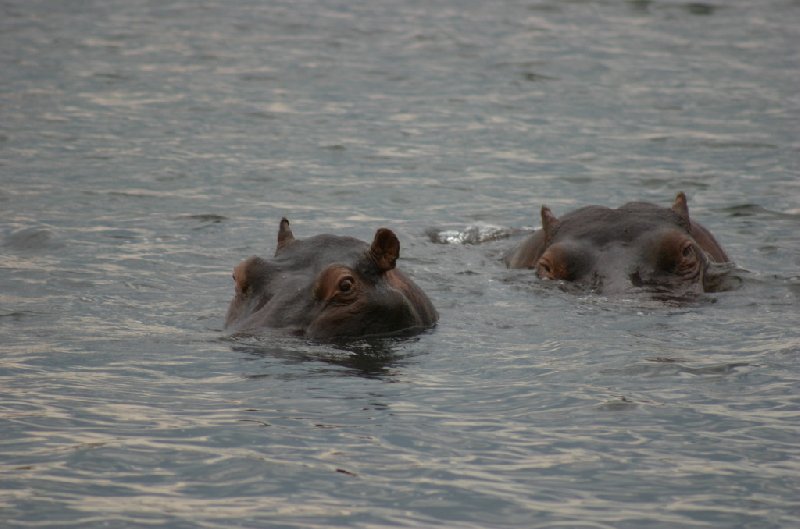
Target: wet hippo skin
[[327, 287], [636, 245]]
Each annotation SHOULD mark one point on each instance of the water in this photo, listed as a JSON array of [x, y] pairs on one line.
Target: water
[[147, 147]]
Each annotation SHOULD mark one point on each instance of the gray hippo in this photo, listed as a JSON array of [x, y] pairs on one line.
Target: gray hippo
[[638, 244], [326, 287]]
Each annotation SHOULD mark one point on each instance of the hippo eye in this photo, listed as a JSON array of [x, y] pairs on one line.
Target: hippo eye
[[346, 284], [687, 251]]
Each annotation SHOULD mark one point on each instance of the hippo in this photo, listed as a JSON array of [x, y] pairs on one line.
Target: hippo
[[636, 245], [328, 287]]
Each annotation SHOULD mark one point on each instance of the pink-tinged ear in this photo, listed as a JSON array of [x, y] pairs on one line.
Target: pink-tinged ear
[[681, 208], [550, 224], [385, 249], [285, 235]]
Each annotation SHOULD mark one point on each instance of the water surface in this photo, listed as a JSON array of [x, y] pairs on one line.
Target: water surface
[[148, 147]]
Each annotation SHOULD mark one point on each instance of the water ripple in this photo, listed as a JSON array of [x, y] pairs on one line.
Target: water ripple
[[146, 149]]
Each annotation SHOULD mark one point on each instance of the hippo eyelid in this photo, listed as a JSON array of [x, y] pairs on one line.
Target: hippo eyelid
[[336, 284]]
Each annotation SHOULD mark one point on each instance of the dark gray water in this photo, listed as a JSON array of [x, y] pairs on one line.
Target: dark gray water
[[147, 147]]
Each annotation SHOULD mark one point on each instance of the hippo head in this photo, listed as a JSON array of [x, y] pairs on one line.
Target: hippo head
[[638, 244], [327, 287]]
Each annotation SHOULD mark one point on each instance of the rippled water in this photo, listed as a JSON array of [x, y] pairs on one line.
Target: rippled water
[[147, 147]]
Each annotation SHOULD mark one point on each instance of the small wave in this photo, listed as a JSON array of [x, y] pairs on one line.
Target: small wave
[[669, 367], [751, 210], [17, 315], [29, 239], [475, 234], [204, 217]]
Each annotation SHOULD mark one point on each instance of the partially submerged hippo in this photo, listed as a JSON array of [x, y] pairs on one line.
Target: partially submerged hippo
[[328, 287], [638, 244]]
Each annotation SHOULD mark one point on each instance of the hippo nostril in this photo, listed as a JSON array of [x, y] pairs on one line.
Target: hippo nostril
[[636, 279]]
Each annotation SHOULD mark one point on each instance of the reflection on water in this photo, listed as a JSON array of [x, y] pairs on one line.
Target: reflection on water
[[146, 148], [368, 357]]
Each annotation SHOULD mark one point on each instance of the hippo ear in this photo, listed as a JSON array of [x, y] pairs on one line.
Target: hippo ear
[[284, 234], [549, 224], [385, 249], [680, 207], [247, 273]]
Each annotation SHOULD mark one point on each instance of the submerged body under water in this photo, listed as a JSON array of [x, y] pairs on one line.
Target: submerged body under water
[[147, 148]]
